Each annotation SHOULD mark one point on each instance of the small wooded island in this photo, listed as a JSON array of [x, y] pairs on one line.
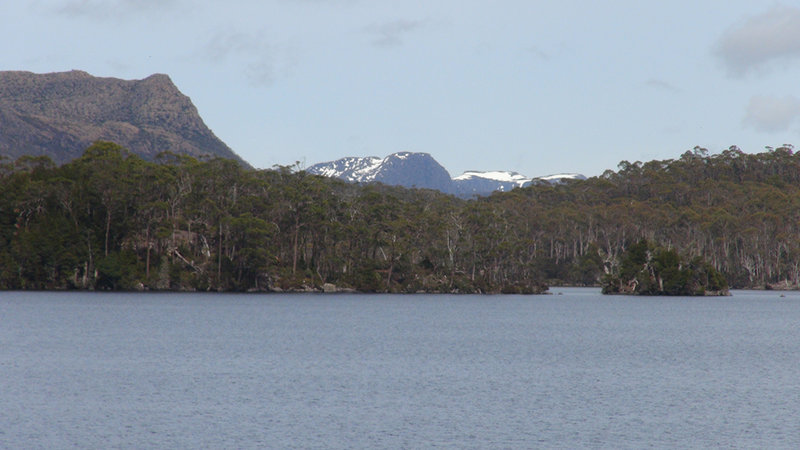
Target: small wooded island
[[648, 269]]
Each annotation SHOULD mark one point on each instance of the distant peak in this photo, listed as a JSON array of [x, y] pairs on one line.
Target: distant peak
[[415, 169], [160, 77], [501, 176], [74, 73], [80, 75], [146, 116], [158, 81], [408, 169], [404, 155], [562, 176]]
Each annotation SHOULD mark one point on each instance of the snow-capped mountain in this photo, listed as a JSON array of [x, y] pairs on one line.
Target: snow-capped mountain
[[474, 182], [352, 169], [494, 175], [407, 169], [420, 170], [560, 177]]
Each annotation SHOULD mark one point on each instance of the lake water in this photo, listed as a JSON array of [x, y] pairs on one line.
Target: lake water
[[570, 370]]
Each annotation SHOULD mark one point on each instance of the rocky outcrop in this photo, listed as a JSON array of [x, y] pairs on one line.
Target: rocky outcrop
[[60, 114]]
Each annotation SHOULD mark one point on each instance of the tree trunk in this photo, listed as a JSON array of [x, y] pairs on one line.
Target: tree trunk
[[219, 256], [108, 229], [294, 254], [147, 259]]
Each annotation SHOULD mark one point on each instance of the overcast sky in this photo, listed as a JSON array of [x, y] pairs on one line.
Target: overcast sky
[[536, 87]]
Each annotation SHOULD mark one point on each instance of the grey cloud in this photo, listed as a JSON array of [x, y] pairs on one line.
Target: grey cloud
[[390, 34], [549, 53], [225, 44], [661, 85], [538, 52], [261, 61], [262, 71], [772, 114], [759, 40]]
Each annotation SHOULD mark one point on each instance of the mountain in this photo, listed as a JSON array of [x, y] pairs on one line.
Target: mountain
[[60, 114], [407, 169], [481, 183], [420, 170], [560, 177], [472, 182]]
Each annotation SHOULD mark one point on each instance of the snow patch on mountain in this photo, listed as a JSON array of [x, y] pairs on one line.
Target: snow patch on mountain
[[561, 177], [495, 175], [409, 169], [420, 170], [352, 169]]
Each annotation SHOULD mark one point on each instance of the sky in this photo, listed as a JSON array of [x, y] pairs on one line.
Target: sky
[[536, 87]]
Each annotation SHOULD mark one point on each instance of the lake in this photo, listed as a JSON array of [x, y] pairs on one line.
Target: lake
[[574, 369]]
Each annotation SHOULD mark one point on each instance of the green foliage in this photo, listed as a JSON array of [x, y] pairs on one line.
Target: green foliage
[[110, 220], [118, 271], [648, 269], [588, 268]]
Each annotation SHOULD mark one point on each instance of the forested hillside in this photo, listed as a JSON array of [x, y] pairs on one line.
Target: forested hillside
[[110, 220]]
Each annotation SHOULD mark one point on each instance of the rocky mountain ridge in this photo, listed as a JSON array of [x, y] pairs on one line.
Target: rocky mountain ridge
[[421, 170], [60, 114]]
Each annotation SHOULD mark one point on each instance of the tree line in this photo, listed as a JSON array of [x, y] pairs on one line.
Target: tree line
[[111, 220]]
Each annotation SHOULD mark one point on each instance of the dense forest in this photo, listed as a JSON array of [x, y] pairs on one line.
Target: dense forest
[[110, 220]]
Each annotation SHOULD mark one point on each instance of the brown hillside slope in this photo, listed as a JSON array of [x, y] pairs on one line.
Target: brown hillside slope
[[60, 114]]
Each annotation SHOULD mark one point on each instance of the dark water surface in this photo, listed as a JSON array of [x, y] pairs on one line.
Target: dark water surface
[[358, 371]]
